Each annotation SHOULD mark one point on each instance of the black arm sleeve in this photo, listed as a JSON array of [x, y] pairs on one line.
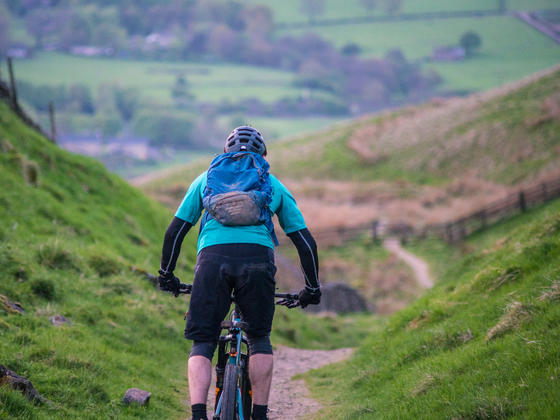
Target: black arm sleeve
[[307, 250], [174, 236]]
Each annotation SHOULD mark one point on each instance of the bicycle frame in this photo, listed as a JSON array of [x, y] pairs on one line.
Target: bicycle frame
[[236, 357]]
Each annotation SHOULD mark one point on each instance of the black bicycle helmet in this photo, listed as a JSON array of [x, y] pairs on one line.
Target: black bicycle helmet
[[246, 139]]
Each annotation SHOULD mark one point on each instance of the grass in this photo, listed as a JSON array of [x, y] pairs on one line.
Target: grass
[[289, 11], [421, 145], [482, 344], [510, 48], [75, 241], [154, 79]]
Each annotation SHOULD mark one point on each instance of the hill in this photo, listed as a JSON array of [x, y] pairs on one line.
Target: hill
[[416, 164], [77, 241], [482, 344]]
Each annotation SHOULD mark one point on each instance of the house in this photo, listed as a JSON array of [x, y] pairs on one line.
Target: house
[[448, 53]]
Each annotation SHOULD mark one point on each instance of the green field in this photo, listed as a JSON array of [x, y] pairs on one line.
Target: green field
[[154, 79], [483, 344], [289, 11], [510, 48]]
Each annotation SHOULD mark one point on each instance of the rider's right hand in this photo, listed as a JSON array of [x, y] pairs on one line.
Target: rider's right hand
[[169, 283], [308, 297]]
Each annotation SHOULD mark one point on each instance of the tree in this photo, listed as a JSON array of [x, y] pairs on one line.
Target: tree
[[180, 92], [369, 5], [470, 41], [127, 101], [351, 49], [392, 6], [312, 8]]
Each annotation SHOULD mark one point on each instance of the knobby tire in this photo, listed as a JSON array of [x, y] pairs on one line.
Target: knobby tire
[[229, 393], [246, 388]]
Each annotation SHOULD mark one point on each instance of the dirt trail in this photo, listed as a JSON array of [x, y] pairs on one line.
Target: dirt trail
[[418, 265], [289, 399]]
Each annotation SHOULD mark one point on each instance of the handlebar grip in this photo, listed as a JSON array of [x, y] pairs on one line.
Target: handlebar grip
[[185, 288], [290, 296]]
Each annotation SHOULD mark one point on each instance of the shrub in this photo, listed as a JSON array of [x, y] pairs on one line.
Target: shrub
[[103, 265], [43, 288], [51, 255]]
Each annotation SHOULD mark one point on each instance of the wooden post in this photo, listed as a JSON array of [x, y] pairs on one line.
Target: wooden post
[[374, 225], [53, 125], [522, 202], [449, 233], [13, 90], [483, 218], [502, 6]]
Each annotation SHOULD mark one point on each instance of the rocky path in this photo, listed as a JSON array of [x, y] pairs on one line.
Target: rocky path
[[289, 399], [418, 265]]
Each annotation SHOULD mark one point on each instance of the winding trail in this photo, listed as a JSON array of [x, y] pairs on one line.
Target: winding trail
[[418, 265]]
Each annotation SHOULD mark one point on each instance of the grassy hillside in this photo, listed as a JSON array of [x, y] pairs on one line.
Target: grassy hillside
[[421, 164], [74, 241], [482, 344]]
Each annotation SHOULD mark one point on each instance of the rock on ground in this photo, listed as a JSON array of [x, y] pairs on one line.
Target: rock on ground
[[8, 377], [137, 396]]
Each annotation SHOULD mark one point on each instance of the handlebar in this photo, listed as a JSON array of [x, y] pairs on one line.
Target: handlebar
[[286, 299]]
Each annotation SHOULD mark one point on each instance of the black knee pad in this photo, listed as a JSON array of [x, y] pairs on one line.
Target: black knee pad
[[203, 348], [259, 345]]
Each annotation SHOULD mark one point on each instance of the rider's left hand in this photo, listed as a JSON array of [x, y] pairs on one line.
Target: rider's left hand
[[168, 283]]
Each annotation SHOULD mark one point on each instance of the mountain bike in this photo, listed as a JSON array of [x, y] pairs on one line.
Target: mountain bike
[[233, 388]]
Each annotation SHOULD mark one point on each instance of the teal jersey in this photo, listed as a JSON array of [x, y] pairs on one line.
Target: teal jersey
[[213, 232]]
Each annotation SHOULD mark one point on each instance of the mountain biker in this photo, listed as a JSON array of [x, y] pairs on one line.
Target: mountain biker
[[238, 258]]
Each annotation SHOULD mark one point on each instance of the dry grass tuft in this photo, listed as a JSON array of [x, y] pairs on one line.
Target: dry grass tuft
[[552, 294], [515, 314], [427, 382], [419, 321], [30, 171]]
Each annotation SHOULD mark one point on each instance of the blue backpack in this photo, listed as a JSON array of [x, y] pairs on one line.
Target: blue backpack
[[238, 191]]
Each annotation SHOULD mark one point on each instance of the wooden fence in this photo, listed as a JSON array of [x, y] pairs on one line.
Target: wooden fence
[[453, 231]]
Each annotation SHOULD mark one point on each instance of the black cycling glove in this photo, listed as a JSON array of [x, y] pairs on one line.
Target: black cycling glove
[[168, 283], [307, 297]]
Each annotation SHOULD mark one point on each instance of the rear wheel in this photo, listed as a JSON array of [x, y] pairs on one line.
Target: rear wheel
[[246, 388], [229, 393]]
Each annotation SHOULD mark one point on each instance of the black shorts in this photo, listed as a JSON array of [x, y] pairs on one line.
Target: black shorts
[[246, 269]]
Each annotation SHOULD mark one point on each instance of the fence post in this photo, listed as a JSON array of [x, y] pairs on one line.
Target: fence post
[[449, 233], [13, 90], [53, 125], [502, 5], [483, 218], [522, 202], [544, 191], [374, 225]]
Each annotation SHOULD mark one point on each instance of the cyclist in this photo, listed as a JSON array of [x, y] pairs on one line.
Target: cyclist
[[236, 258]]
